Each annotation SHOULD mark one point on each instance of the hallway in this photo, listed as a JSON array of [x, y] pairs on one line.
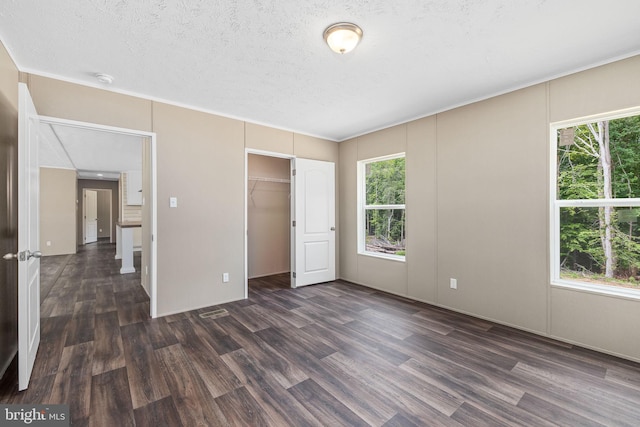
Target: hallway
[[85, 302]]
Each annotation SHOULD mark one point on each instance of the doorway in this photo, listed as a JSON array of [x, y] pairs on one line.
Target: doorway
[[268, 218], [149, 205], [96, 215], [90, 216], [310, 192]]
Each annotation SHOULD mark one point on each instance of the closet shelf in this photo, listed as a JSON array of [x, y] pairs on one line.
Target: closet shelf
[[257, 179], [266, 179]]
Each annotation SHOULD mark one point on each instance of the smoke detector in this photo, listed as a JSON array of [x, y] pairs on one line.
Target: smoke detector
[[104, 78]]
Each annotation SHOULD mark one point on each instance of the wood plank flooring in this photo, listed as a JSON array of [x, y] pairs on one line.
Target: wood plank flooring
[[334, 354]]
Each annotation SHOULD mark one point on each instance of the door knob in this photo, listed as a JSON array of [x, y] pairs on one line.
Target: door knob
[[22, 256], [333, 229]]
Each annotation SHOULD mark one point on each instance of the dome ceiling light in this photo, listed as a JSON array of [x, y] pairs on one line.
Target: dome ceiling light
[[343, 37]]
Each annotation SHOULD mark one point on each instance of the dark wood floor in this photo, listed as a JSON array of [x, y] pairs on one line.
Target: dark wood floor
[[331, 354]]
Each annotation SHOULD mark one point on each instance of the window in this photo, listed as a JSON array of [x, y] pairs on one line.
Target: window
[[596, 204], [382, 230]]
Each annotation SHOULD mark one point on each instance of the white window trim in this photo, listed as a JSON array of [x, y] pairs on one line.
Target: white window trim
[[362, 207], [555, 205]]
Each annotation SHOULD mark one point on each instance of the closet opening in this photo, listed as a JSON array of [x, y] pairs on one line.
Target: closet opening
[[268, 222]]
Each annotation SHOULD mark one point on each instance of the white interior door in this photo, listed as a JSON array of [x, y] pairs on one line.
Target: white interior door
[[315, 237], [90, 216], [28, 237]]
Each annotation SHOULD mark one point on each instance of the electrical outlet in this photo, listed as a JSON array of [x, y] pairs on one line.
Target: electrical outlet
[[225, 277], [48, 242], [453, 283]]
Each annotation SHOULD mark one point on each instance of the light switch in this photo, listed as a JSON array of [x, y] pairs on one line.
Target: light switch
[[173, 202]]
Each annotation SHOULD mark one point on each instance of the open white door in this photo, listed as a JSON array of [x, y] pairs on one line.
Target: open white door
[[28, 237], [315, 239], [90, 207]]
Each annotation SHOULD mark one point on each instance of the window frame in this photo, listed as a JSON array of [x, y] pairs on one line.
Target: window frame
[[555, 206], [363, 207]]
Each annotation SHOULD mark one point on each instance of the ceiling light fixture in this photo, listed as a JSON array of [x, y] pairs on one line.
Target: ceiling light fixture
[[343, 37], [104, 78]]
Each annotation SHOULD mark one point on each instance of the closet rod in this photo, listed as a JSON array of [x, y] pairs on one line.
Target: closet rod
[[266, 179]]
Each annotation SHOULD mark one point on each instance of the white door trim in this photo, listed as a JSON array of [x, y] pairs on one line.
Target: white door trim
[[154, 199], [248, 151]]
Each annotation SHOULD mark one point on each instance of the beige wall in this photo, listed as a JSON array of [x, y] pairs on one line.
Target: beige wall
[[347, 211], [104, 214], [268, 139], [492, 208], [65, 100], [477, 182], [57, 211], [477, 201], [268, 213], [200, 160], [421, 190]]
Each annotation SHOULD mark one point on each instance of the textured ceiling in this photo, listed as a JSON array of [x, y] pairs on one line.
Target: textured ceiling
[[89, 151], [266, 61]]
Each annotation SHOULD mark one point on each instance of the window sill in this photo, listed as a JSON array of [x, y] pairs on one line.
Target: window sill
[[389, 257], [604, 290]]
